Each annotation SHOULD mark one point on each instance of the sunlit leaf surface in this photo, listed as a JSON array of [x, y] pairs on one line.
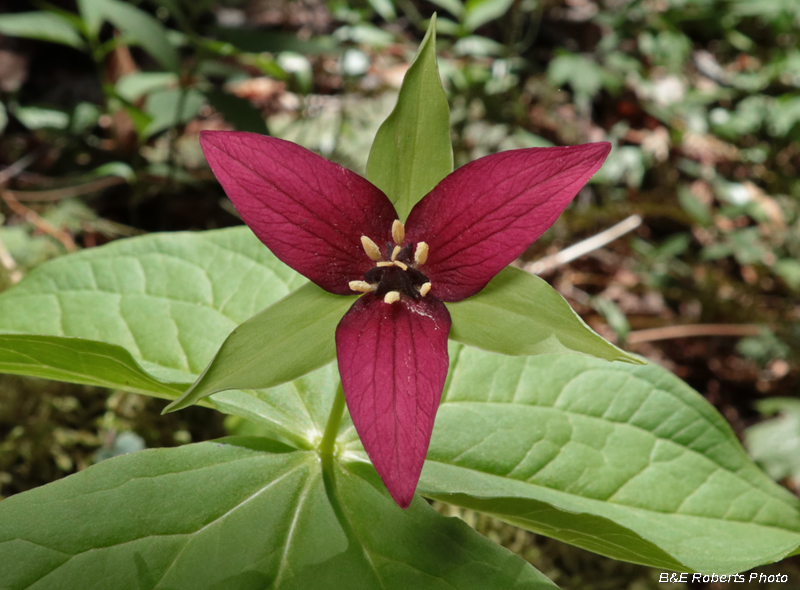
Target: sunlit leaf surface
[[239, 515], [169, 300], [624, 460]]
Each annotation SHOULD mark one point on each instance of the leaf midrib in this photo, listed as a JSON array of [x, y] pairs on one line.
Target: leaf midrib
[[190, 534], [442, 494], [719, 466]]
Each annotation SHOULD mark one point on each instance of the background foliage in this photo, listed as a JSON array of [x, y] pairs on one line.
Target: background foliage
[[101, 104]]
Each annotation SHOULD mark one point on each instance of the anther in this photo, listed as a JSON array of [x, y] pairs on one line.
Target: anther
[[371, 248], [392, 297], [395, 252], [361, 286], [424, 289], [421, 253], [400, 264], [385, 263], [398, 232]]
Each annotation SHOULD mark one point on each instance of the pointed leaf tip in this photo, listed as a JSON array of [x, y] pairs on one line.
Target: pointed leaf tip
[[412, 151], [393, 364], [284, 341]]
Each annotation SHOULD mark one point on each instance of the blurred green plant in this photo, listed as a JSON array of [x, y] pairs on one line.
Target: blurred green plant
[[775, 442]]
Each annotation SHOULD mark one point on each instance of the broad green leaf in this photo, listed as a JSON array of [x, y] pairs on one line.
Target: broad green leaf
[[454, 7], [520, 314], [240, 514], [91, 12], [169, 300], [479, 12], [582, 74], [775, 443], [37, 118], [84, 117], [257, 41], [170, 107], [385, 8], [237, 111], [297, 410], [80, 361], [134, 86], [287, 340], [120, 169], [789, 270], [44, 26], [143, 29], [627, 461], [412, 150], [3, 117]]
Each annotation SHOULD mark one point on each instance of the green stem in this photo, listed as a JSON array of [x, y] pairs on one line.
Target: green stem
[[328, 441]]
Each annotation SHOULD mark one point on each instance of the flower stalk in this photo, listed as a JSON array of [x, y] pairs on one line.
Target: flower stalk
[[328, 443]]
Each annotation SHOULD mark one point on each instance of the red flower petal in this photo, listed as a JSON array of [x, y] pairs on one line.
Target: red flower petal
[[485, 214], [393, 363], [310, 212]]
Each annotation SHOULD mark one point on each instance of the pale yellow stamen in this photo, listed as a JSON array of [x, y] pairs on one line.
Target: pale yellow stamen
[[370, 248], [385, 263], [392, 297], [421, 253], [424, 289], [398, 232], [361, 286], [395, 252], [400, 264]]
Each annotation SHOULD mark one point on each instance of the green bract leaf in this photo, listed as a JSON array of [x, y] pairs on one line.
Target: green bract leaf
[[240, 514], [44, 26], [285, 341], [169, 300], [518, 313], [623, 460], [412, 150]]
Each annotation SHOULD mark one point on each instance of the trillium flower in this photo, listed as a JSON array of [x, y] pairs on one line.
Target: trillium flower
[[341, 232]]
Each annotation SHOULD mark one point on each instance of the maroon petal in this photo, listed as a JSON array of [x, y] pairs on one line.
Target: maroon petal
[[393, 364], [485, 214], [310, 212]]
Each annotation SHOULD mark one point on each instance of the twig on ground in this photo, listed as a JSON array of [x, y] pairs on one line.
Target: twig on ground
[[693, 330], [581, 248], [8, 262], [68, 191], [41, 224], [112, 229], [7, 174]]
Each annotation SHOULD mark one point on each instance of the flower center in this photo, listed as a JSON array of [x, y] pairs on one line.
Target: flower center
[[397, 273]]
